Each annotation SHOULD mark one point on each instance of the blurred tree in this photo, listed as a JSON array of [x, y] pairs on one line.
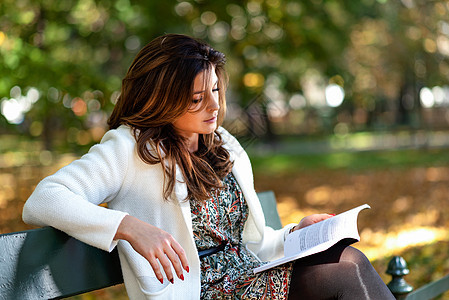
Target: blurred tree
[[62, 61], [280, 49], [391, 57], [74, 54]]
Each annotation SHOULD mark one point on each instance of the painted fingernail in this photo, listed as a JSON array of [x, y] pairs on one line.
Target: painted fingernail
[[161, 280], [181, 277], [187, 269], [171, 280], [332, 215]]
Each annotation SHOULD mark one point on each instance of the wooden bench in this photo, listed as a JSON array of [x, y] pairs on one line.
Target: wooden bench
[[46, 263]]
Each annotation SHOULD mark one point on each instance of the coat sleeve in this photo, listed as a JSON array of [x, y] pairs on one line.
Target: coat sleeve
[[68, 200], [272, 245]]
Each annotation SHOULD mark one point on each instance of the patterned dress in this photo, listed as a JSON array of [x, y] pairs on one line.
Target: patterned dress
[[228, 274]]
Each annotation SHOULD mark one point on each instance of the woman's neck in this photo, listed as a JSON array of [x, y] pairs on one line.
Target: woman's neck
[[192, 142]]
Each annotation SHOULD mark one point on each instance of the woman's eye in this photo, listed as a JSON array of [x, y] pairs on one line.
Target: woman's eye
[[196, 101], [216, 90]]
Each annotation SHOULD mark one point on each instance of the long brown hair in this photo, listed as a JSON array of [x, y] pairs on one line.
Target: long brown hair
[[158, 89]]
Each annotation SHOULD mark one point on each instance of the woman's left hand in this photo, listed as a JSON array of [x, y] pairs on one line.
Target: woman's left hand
[[312, 219]]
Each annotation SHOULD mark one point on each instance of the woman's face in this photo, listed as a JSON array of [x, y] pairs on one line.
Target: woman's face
[[201, 118]]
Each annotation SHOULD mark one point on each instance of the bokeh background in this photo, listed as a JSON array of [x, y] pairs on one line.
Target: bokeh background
[[338, 103]]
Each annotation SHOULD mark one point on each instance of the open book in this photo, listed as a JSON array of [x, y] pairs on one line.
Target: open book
[[318, 237]]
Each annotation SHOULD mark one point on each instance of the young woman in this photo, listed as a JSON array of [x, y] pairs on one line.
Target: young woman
[[182, 208]]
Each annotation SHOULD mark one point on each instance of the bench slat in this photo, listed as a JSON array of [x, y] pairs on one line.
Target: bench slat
[[268, 202], [430, 290]]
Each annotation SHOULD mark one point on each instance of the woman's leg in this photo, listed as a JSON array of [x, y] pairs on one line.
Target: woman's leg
[[342, 272]]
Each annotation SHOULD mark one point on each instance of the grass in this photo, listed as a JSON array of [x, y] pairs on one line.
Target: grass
[[290, 163]]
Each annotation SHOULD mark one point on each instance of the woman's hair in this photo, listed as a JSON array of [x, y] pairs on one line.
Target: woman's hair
[[157, 90]]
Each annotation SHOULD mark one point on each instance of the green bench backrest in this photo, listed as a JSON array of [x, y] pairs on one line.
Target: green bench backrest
[[46, 263]]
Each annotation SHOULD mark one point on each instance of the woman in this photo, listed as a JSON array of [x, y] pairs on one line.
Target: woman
[[182, 208]]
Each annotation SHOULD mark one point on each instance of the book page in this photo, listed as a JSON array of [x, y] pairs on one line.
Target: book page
[[336, 228], [319, 237]]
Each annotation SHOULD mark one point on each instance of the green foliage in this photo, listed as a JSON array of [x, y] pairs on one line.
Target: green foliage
[[379, 52]]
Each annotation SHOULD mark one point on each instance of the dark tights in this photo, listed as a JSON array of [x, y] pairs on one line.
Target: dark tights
[[342, 272]]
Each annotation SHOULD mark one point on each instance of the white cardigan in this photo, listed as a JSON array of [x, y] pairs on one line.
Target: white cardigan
[[112, 172]]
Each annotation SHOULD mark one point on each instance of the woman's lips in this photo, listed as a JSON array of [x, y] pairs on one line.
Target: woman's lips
[[211, 120]]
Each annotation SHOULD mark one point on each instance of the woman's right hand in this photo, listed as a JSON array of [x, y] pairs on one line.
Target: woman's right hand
[[154, 244]]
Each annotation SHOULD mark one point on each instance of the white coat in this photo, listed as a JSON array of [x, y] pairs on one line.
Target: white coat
[[112, 172]]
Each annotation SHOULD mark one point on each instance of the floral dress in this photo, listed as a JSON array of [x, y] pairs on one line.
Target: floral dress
[[228, 274]]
